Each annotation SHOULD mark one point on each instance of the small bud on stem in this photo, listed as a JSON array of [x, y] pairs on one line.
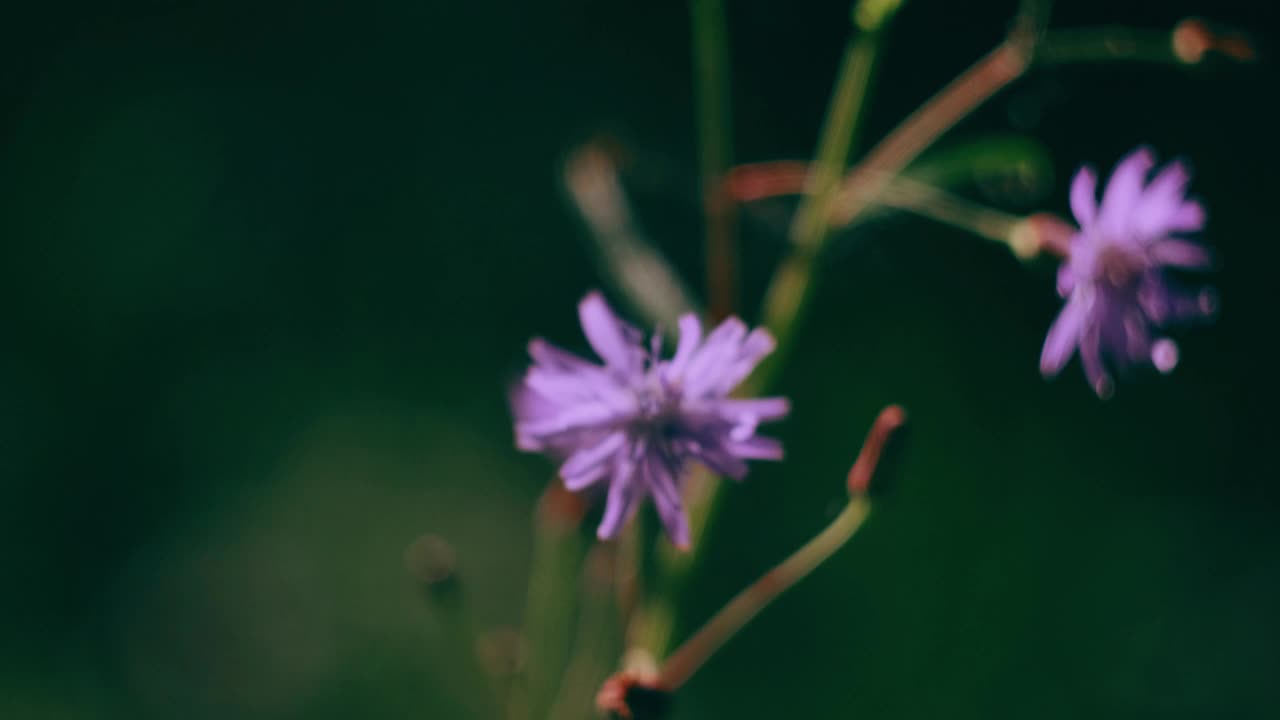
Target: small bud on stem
[[890, 419]]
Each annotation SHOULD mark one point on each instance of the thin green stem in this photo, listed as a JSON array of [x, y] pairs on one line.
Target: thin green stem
[[552, 602], [950, 209], [1107, 44], [596, 641], [923, 127], [747, 604], [789, 291], [715, 148]]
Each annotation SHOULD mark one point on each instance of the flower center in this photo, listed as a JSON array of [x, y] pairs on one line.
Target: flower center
[[656, 406], [1118, 266]]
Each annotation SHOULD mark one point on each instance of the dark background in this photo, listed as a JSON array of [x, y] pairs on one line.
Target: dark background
[[267, 267]]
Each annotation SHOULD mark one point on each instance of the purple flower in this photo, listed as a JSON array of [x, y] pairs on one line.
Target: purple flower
[[1119, 298], [636, 422]]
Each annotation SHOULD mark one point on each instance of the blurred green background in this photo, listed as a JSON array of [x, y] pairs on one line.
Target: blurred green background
[[266, 269]]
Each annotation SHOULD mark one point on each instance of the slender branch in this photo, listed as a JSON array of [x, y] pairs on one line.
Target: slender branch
[[685, 661], [950, 209], [973, 87], [763, 180], [552, 602], [789, 291], [682, 663], [715, 142]]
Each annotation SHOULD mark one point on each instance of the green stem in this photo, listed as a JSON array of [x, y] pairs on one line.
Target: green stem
[[747, 604], [1107, 44], [950, 209], [596, 641], [715, 143], [552, 603], [789, 291], [924, 126]]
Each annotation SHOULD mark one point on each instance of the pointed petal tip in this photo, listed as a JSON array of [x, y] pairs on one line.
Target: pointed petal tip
[[1083, 195], [1208, 302], [1141, 155]]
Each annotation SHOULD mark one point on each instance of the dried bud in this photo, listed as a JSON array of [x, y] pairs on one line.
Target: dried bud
[[626, 695], [432, 562], [1191, 40]]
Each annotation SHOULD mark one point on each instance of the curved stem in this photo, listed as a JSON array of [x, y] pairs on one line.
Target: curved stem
[[695, 651], [732, 617]]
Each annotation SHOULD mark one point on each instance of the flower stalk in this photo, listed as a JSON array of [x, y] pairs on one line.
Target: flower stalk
[[715, 150]]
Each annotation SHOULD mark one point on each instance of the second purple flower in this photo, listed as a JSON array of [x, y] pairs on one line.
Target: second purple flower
[[1119, 296]]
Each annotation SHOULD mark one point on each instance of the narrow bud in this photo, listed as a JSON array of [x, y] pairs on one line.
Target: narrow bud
[[630, 696], [890, 419], [432, 562]]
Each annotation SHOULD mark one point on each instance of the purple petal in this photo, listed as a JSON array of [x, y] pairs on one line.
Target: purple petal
[[1188, 218], [666, 500], [690, 337], [754, 349], [570, 417], [1084, 194], [1181, 254], [554, 358], [722, 462], [613, 340], [1124, 190], [1066, 280], [756, 448], [1091, 359], [593, 462], [1171, 182], [625, 493], [711, 360], [1063, 337], [762, 409], [1154, 213]]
